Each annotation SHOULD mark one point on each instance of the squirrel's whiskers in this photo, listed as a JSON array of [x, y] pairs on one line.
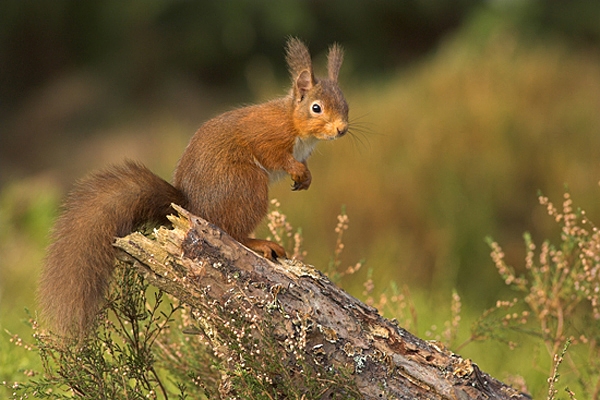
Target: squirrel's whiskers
[[222, 176]]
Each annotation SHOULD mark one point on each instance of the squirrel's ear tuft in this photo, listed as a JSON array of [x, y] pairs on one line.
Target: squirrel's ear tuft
[[298, 59], [335, 57], [304, 82]]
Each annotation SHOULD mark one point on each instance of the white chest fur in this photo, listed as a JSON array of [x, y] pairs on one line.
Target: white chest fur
[[304, 147], [302, 150]]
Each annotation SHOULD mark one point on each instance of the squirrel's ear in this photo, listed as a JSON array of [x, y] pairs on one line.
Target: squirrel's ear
[[304, 82], [335, 57], [300, 66]]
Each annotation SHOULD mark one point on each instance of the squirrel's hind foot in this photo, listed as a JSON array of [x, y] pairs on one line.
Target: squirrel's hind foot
[[267, 249]]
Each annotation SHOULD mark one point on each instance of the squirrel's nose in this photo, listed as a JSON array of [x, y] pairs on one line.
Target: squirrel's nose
[[342, 130]]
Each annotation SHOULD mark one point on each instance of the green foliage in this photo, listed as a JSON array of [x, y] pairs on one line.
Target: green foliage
[[116, 362], [139, 44], [27, 209], [18, 360], [559, 300], [552, 324], [138, 352]]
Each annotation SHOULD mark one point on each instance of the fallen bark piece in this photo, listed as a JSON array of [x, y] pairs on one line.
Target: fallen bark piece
[[313, 319]]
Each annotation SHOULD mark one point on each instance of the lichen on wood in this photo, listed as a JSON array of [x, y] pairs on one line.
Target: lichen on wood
[[317, 324]]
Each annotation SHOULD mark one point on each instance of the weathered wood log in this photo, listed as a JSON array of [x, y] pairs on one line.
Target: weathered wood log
[[205, 268]]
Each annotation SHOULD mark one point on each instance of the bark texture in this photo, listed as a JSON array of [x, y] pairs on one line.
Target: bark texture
[[205, 268]]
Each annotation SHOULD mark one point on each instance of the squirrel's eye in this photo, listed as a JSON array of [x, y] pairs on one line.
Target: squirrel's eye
[[316, 108]]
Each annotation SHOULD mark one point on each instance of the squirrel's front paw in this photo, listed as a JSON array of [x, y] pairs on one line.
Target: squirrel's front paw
[[302, 182]]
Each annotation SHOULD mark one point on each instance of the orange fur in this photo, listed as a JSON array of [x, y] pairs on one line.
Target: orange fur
[[222, 176]]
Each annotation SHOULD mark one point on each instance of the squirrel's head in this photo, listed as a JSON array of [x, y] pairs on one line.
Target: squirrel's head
[[320, 109]]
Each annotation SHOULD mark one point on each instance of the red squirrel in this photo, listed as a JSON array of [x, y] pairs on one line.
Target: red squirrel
[[222, 176]]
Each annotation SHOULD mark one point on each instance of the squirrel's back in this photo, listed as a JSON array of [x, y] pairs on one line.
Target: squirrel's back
[[223, 177], [224, 172], [80, 260]]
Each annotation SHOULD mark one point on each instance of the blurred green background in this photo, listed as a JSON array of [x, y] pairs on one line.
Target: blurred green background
[[461, 111]]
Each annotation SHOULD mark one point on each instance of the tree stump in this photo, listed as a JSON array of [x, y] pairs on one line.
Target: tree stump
[[205, 268]]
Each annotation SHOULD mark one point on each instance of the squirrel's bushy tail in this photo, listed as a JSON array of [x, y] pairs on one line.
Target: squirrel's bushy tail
[[81, 257]]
